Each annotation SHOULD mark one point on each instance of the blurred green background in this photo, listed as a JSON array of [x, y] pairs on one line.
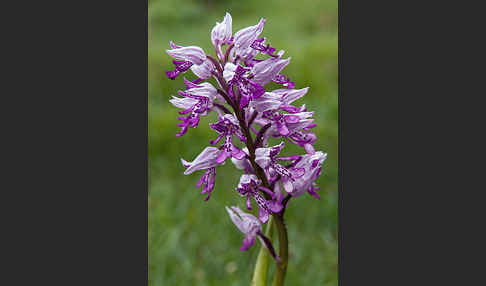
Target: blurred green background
[[192, 242]]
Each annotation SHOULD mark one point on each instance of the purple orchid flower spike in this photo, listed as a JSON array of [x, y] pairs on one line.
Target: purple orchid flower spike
[[312, 163], [249, 186], [267, 159], [244, 109], [227, 126]]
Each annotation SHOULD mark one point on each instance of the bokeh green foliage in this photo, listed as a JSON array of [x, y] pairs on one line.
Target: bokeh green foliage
[[192, 242]]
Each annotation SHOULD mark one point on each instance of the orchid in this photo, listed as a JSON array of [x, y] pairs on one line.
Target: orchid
[[249, 186], [248, 116]]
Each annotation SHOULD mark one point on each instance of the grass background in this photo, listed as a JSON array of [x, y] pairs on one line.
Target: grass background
[[192, 242]]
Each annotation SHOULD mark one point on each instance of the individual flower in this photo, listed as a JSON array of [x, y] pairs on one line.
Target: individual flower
[[191, 54], [279, 99], [268, 101], [245, 37], [192, 57], [206, 160], [287, 123], [247, 224], [196, 101], [312, 164], [288, 96], [227, 126], [221, 33], [265, 71], [249, 186], [247, 88], [267, 159], [251, 228]]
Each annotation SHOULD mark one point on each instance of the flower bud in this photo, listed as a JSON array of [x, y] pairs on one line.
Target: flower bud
[[192, 54], [221, 33]]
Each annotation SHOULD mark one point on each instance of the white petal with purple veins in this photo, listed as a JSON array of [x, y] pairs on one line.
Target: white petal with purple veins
[[266, 70], [184, 102], [222, 32], [246, 36], [205, 160], [268, 101], [192, 54], [204, 70], [204, 89]]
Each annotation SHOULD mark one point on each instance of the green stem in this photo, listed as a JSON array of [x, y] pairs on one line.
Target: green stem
[[279, 277], [261, 266]]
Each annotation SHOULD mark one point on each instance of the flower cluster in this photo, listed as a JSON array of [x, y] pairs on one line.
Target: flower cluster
[[248, 116]]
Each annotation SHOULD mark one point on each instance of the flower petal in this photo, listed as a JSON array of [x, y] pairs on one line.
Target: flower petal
[[205, 160], [192, 54]]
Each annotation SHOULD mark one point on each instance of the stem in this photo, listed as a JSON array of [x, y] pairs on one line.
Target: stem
[[281, 269], [261, 266]]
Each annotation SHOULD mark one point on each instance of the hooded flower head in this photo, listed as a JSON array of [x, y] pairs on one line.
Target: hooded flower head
[[267, 70], [245, 37], [247, 224], [197, 101], [192, 54], [249, 186], [267, 159], [312, 164], [221, 33], [204, 161], [227, 126], [191, 57]]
